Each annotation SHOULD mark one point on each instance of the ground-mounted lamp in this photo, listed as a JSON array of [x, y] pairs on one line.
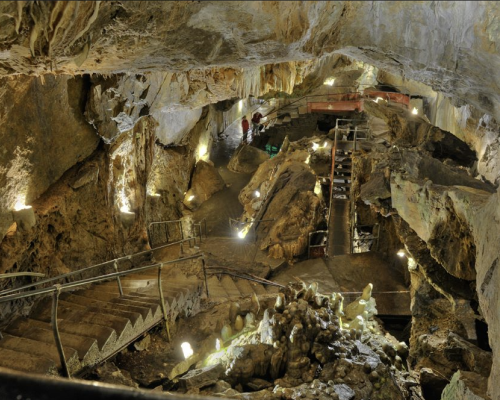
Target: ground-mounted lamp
[[256, 194], [23, 215], [315, 146], [414, 111], [187, 350]]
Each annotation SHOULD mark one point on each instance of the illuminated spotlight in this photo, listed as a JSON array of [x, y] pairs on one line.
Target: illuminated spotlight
[[378, 98], [190, 197], [308, 159], [315, 146], [257, 193], [325, 144], [20, 205], [187, 350], [218, 345], [125, 209], [329, 81], [401, 253], [241, 235], [202, 151], [414, 111]]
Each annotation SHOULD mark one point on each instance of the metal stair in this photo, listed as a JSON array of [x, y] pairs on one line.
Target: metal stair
[[97, 322]]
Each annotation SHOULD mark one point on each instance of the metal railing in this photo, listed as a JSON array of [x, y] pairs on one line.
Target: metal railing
[[114, 261], [56, 290], [199, 228]]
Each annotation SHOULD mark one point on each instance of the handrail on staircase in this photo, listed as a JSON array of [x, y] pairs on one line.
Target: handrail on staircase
[[58, 288], [77, 272]]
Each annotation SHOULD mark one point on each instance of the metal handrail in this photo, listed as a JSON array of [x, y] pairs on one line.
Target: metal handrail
[[57, 289], [67, 275], [16, 274]]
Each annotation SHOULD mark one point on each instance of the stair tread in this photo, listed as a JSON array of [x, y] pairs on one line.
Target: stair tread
[[86, 347], [244, 287], [90, 302], [27, 362], [230, 287], [258, 288], [215, 288], [38, 348], [102, 334]]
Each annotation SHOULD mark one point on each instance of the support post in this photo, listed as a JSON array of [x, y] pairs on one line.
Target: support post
[[180, 228], [205, 275], [115, 265], [163, 307], [55, 330]]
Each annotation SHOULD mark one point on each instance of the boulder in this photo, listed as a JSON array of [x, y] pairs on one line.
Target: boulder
[[206, 181], [199, 378], [246, 159]]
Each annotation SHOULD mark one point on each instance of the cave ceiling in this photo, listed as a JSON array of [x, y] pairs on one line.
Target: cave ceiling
[[450, 46]]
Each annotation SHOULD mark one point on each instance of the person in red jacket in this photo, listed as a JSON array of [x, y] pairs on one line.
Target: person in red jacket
[[256, 122], [245, 126]]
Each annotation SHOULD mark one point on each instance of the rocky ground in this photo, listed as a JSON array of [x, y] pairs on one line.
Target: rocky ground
[[298, 344]]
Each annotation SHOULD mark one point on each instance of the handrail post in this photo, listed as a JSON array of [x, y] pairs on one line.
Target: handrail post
[[115, 265], [162, 300], [205, 274], [182, 247], [182, 232], [55, 330], [199, 226]]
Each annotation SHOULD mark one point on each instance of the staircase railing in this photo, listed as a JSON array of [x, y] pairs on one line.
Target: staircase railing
[[200, 227], [56, 290], [114, 262]]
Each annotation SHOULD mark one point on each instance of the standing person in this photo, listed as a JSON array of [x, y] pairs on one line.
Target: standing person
[[256, 122], [245, 126]]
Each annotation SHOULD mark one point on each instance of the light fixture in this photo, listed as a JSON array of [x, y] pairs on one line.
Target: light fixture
[[191, 197], [241, 235], [401, 253], [317, 188], [20, 204], [325, 144], [315, 146], [218, 345], [329, 81], [202, 151], [308, 159], [187, 350], [414, 111], [378, 98], [257, 193]]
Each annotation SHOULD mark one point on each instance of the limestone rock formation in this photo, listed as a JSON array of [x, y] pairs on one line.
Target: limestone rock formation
[[63, 37], [206, 181], [246, 159], [287, 206], [44, 133]]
